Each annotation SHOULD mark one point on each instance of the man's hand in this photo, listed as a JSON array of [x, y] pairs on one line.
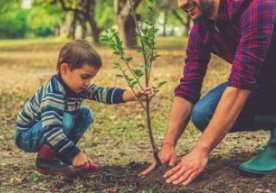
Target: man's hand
[[188, 169], [167, 155], [80, 160]]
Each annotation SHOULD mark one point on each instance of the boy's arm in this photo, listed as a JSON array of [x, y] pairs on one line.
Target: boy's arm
[[52, 110], [106, 95]]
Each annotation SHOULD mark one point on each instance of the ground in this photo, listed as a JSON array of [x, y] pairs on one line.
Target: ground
[[117, 140]]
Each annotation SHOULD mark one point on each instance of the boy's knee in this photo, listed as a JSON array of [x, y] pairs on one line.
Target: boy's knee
[[200, 116], [86, 114]]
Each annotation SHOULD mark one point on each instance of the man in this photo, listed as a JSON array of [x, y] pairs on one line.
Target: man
[[243, 32]]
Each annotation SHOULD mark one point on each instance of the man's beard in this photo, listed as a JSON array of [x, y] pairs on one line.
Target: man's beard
[[206, 7]]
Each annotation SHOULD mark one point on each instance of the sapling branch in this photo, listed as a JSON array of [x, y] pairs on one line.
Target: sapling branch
[[146, 39], [147, 67]]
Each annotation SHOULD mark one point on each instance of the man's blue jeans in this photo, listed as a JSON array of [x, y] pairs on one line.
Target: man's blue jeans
[[31, 139], [261, 101]]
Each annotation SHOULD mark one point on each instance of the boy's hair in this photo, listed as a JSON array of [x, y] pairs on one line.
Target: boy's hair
[[77, 53]]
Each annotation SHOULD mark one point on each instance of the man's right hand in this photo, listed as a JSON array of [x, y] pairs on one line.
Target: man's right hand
[[80, 160], [167, 155]]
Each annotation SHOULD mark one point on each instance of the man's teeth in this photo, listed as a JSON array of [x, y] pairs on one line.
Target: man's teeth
[[190, 8]]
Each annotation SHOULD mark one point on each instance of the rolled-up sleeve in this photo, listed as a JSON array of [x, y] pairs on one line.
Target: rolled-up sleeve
[[197, 59], [257, 25]]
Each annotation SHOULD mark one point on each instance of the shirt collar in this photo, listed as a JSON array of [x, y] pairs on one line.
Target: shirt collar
[[68, 91], [223, 10]]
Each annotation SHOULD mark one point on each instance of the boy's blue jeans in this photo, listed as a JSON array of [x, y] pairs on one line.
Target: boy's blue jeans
[[261, 101], [31, 139]]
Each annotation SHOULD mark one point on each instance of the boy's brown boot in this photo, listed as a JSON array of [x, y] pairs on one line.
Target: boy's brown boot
[[47, 163]]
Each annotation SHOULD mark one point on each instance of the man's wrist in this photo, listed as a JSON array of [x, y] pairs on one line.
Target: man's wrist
[[202, 148], [168, 143]]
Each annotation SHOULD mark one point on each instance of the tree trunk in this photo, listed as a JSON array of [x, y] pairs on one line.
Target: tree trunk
[[126, 28], [72, 28], [89, 15], [86, 9], [126, 24], [95, 30], [82, 22], [186, 23], [164, 24]]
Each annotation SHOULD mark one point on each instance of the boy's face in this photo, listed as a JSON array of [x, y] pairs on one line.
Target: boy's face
[[78, 79]]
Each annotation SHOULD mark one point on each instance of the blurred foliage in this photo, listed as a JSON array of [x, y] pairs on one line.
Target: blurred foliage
[[43, 20], [45, 16], [105, 13], [13, 20]]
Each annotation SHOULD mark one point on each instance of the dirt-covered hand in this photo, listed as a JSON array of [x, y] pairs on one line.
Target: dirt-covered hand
[[188, 169], [167, 155], [80, 160]]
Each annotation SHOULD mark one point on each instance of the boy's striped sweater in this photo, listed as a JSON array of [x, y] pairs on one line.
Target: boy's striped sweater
[[49, 104]]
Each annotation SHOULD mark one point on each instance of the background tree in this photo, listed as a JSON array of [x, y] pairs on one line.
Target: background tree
[[13, 20], [184, 19], [44, 20], [83, 11], [125, 23]]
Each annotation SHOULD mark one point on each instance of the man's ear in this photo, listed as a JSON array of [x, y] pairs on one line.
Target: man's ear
[[64, 67]]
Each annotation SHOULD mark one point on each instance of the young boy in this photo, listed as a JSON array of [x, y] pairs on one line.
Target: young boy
[[53, 120]]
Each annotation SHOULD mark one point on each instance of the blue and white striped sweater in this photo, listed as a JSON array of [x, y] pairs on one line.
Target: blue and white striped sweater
[[49, 104]]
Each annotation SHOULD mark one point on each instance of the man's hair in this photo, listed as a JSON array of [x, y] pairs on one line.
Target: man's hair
[[78, 53]]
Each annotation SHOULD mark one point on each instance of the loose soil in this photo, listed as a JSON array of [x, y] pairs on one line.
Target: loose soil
[[220, 176]]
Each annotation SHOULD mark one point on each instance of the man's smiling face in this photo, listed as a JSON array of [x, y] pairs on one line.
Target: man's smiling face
[[197, 8]]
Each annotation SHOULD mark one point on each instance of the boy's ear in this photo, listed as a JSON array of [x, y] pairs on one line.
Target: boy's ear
[[64, 68]]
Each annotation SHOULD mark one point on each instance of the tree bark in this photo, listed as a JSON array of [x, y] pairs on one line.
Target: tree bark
[[125, 22], [72, 28], [90, 14], [186, 23], [86, 9]]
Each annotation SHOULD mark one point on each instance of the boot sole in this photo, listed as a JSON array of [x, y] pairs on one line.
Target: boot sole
[[248, 174], [57, 172]]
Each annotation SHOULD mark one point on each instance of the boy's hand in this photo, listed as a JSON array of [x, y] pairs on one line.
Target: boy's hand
[[80, 160], [146, 92], [130, 96]]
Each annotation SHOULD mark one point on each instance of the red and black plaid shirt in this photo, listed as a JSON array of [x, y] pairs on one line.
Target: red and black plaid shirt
[[244, 34]]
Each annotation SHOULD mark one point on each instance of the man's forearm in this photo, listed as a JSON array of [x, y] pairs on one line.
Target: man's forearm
[[225, 116], [178, 120]]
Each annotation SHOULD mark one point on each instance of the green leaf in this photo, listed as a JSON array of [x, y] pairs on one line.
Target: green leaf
[[154, 89], [120, 76], [161, 84], [128, 58], [133, 83], [119, 42], [128, 78], [138, 72], [117, 65]]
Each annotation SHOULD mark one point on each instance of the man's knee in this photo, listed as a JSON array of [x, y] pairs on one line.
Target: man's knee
[[200, 116]]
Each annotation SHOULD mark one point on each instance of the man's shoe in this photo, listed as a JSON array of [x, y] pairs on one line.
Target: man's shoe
[[264, 162]]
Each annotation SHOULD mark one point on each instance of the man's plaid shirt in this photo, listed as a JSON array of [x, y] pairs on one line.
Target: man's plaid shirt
[[244, 34]]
